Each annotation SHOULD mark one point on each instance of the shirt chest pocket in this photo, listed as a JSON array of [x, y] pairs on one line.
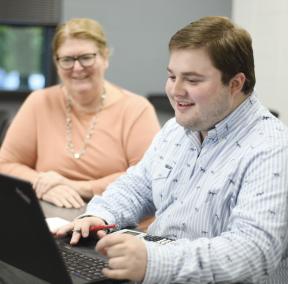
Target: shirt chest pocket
[[162, 173], [161, 183]]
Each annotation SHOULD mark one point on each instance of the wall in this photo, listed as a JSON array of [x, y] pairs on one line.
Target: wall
[[266, 20], [139, 31]]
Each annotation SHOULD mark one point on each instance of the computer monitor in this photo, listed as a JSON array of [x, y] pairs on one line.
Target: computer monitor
[[26, 62]]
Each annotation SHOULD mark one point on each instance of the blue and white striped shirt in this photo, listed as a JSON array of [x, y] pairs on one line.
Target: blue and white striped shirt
[[223, 200]]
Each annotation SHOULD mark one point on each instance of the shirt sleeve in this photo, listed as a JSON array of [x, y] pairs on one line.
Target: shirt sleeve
[[252, 244]]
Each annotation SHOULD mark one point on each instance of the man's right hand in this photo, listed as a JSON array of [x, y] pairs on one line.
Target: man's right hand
[[80, 228]]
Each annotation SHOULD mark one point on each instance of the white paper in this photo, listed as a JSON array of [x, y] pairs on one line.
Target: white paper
[[55, 222]]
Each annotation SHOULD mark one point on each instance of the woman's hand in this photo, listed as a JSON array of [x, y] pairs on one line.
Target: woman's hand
[[80, 228], [127, 256], [63, 196], [51, 180], [46, 181]]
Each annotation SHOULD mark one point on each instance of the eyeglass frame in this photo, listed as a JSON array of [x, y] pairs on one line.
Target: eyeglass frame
[[76, 58]]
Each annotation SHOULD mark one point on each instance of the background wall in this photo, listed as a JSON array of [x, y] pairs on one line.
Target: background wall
[[267, 22], [139, 31]]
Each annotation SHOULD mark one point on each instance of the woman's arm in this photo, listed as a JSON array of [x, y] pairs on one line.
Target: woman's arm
[[139, 133], [18, 151]]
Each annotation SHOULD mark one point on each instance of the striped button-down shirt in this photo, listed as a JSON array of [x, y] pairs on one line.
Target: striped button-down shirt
[[224, 200]]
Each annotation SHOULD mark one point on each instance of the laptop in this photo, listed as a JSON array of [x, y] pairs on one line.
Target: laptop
[[27, 245]]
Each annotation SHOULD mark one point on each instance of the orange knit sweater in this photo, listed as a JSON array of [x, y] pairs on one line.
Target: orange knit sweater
[[36, 140]]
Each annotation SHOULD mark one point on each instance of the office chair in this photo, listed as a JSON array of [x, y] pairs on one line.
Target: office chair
[[4, 123], [162, 106], [274, 112]]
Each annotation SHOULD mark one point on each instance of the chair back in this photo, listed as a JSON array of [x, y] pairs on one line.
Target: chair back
[[4, 123]]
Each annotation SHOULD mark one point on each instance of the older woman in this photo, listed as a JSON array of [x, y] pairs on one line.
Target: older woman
[[71, 140]]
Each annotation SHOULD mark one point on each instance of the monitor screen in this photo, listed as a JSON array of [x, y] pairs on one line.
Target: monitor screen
[[25, 57]]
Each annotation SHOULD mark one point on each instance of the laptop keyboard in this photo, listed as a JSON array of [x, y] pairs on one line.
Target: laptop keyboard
[[81, 265]]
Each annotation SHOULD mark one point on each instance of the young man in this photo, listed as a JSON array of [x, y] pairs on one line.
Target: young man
[[215, 176]]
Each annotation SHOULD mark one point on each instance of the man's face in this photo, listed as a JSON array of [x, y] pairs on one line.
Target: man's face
[[195, 90]]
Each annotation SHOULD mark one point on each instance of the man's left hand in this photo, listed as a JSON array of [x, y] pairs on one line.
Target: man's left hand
[[127, 256]]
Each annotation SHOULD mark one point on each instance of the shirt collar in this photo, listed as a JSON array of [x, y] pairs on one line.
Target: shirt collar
[[242, 115]]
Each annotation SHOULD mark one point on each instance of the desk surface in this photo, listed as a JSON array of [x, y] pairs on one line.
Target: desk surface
[[66, 213]]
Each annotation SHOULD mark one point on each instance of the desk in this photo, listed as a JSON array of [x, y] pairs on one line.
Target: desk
[[65, 213], [69, 214]]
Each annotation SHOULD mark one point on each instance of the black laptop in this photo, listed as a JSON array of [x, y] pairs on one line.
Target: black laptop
[[27, 244]]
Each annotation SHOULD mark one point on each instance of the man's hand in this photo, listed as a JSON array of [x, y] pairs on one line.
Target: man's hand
[[79, 228], [127, 256], [63, 196]]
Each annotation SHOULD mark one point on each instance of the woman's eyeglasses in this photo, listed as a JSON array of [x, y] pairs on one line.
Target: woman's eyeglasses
[[85, 60]]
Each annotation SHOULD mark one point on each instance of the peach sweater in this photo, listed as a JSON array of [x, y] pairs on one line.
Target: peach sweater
[[36, 139]]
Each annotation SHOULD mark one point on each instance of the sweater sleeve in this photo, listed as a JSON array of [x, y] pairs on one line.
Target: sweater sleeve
[[141, 132], [138, 134], [19, 149], [98, 186]]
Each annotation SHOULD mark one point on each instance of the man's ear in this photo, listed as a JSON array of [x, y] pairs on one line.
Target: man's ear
[[237, 83]]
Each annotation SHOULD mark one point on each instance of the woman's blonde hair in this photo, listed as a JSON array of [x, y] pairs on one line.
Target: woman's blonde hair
[[80, 28]]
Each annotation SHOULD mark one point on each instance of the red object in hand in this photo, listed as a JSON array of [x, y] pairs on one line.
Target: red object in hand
[[102, 227]]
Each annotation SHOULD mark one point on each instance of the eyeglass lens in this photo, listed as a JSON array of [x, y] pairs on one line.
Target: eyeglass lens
[[85, 60]]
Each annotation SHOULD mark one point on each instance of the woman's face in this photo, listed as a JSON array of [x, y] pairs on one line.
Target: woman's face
[[81, 81]]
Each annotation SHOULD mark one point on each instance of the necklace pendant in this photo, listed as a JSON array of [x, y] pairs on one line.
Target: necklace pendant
[[76, 156], [68, 127]]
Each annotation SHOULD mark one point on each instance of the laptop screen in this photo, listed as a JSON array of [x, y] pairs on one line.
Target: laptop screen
[[26, 242]]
